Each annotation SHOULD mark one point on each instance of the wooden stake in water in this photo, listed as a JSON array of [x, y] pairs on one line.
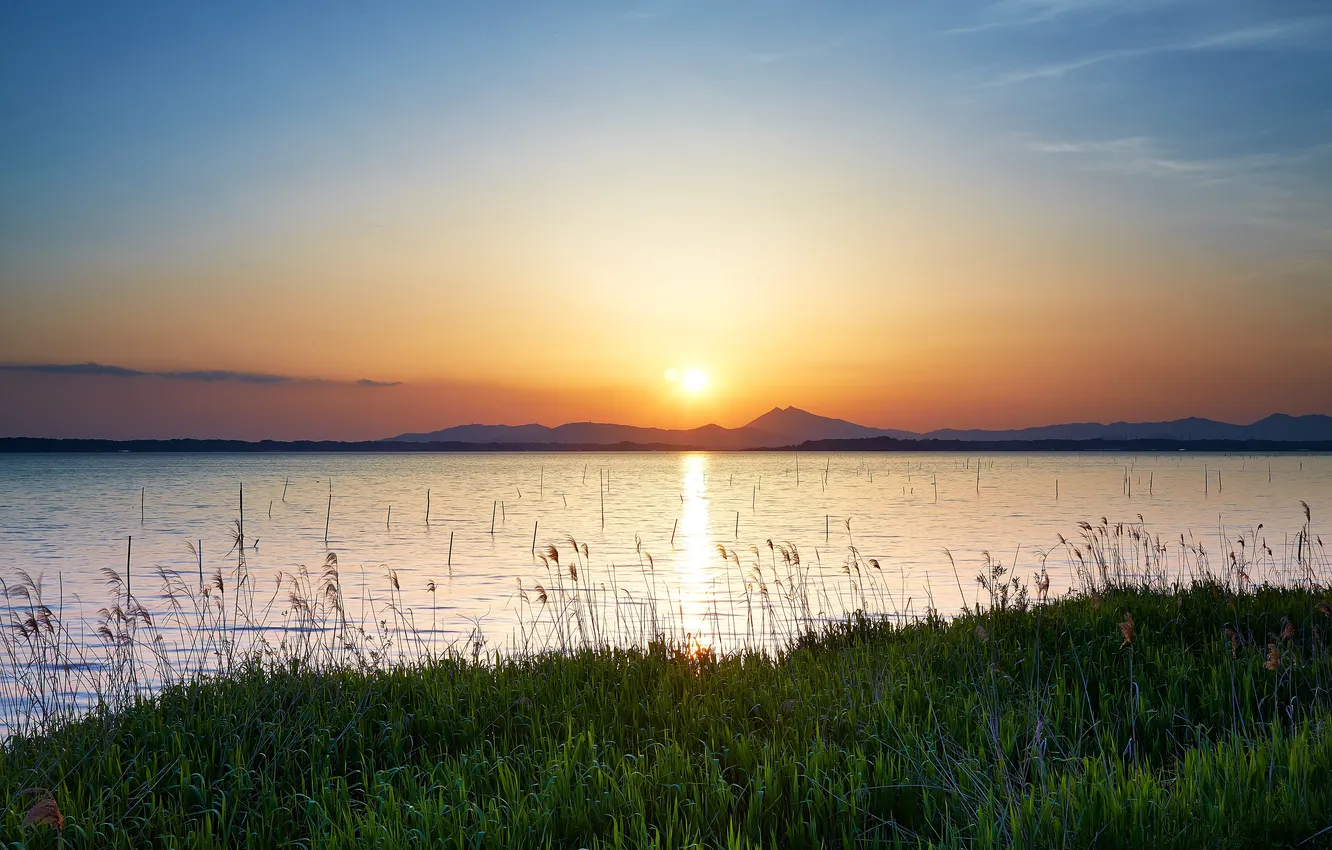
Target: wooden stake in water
[[504, 517], [541, 492], [1056, 489], [451, 551], [534, 528], [129, 547], [603, 508], [493, 506], [143, 491], [199, 552], [673, 528], [388, 520], [737, 525], [1205, 479], [936, 487], [427, 506], [825, 528], [328, 514]]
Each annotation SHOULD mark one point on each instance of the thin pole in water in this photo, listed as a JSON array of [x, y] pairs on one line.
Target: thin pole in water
[[936, 488], [493, 506], [541, 491], [603, 506], [328, 514], [1205, 479], [240, 500], [129, 547], [427, 506], [825, 528], [737, 525], [673, 528], [450, 551], [270, 508], [535, 523], [504, 517], [142, 492], [199, 552], [284, 487], [388, 519], [753, 500]]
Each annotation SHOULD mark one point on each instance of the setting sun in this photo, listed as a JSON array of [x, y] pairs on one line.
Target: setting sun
[[695, 381]]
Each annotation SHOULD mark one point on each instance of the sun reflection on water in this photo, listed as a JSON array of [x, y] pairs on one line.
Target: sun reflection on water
[[695, 573]]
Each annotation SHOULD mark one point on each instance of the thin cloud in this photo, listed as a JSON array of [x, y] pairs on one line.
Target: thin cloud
[[1272, 35], [1016, 14], [201, 375], [1270, 188], [1061, 68]]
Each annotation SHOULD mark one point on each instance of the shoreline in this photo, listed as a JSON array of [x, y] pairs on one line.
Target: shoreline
[[1122, 717]]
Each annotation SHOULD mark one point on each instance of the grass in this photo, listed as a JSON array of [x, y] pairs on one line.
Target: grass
[[1129, 716]]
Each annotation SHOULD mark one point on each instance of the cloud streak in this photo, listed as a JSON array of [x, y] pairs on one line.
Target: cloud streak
[[208, 376], [1270, 35]]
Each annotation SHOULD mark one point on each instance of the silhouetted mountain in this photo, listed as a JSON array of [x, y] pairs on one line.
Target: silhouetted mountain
[[1278, 426], [598, 433], [801, 425], [793, 426]]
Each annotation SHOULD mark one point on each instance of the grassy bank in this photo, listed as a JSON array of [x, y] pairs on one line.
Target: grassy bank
[[1129, 718]]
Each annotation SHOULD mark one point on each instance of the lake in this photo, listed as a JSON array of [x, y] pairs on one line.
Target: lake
[[65, 517]]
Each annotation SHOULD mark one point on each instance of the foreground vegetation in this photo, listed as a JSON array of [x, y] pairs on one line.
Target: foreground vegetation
[[1193, 716]]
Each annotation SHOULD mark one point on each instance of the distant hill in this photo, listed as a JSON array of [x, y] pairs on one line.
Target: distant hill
[[793, 426], [1278, 426], [597, 433], [800, 425]]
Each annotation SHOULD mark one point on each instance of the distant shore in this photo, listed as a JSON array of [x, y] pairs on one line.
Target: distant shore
[[45, 445]]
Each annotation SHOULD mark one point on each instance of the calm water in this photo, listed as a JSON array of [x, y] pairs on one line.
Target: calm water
[[64, 518]]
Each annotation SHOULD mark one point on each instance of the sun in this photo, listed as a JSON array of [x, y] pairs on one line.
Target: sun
[[695, 381]]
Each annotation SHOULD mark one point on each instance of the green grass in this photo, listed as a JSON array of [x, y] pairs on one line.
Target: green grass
[[1045, 730]]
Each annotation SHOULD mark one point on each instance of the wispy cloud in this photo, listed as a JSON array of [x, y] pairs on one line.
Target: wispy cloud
[[1145, 156], [1014, 14], [1268, 189], [808, 49], [1290, 34], [201, 375], [1059, 69]]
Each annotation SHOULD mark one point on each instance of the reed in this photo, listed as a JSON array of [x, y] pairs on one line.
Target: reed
[[1175, 694]]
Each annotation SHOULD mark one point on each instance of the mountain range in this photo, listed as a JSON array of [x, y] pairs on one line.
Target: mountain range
[[793, 426]]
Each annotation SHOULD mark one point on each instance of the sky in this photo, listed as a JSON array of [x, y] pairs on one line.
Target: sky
[[350, 220]]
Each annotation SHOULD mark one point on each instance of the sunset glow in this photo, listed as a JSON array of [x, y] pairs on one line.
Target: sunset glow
[[907, 215]]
